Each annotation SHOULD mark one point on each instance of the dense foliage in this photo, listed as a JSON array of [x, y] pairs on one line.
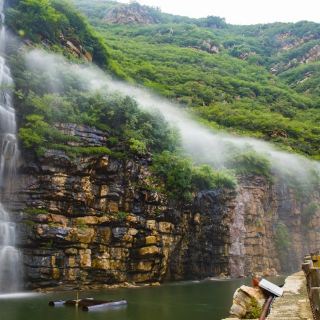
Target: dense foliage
[[250, 162], [51, 92], [53, 23], [44, 100], [251, 80], [221, 72], [181, 178]]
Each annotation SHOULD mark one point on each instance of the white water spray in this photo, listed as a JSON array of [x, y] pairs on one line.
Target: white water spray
[[10, 262], [202, 144]]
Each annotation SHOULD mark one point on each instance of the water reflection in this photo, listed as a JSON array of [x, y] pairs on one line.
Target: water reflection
[[19, 295], [188, 300]]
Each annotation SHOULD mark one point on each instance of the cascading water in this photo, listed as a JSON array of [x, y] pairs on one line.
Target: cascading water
[[10, 265]]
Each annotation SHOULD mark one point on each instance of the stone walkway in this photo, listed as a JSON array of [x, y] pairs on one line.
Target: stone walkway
[[294, 304]]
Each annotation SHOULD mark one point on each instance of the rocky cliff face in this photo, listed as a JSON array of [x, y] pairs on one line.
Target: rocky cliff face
[[131, 14], [288, 44], [256, 244], [312, 55], [97, 220]]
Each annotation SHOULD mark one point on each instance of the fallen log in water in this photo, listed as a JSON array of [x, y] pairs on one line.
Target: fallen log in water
[[99, 306], [58, 303], [89, 304]]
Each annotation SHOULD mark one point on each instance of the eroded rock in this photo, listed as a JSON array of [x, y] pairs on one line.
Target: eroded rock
[[88, 220]]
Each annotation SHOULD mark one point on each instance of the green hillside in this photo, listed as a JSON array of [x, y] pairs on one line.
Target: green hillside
[[260, 80], [48, 93]]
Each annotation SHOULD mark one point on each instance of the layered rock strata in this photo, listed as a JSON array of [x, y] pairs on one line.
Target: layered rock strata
[[99, 220]]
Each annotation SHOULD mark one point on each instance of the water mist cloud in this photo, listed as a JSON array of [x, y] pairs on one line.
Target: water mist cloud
[[202, 144]]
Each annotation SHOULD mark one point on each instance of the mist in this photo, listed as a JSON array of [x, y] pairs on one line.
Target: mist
[[202, 144]]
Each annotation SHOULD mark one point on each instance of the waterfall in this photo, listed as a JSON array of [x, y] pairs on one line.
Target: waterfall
[[10, 264]]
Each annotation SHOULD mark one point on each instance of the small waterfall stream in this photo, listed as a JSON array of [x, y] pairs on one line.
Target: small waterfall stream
[[10, 264]]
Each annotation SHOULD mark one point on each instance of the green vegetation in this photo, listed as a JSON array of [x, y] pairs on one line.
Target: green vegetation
[[282, 242], [282, 238], [254, 311], [249, 80], [54, 23], [251, 162], [181, 177], [74, 152], [140, 132], [204, 178], [36, 20], [121, 215], [44, 100], [99, 10], [35, 211], [220, 73]]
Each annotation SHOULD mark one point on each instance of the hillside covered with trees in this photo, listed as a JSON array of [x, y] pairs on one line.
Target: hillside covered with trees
[[46, 99], [112, 184], [259, 80]]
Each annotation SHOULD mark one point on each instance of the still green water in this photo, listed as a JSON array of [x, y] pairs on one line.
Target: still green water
[[176, 301]]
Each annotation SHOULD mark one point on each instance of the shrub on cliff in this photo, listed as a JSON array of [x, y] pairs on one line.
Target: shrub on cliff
[[62, 96], [175, 173], [38, 135], [282, 238], [250, 162], [36, 20], [181, 178], [205, 178], [139, 131], [254, 311]]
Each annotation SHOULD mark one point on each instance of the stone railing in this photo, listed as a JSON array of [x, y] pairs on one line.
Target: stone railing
[[311, 268]]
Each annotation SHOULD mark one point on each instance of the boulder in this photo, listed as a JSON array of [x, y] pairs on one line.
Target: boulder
[[245, 299]]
